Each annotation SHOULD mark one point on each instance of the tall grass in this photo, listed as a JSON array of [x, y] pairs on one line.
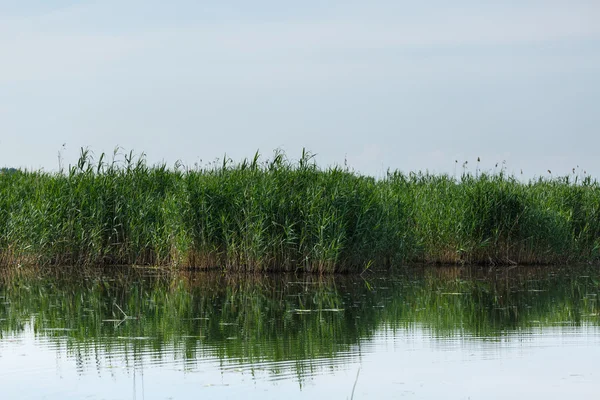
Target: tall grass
[[283, 215]]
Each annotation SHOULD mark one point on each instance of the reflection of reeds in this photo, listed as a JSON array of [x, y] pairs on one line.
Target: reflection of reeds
[[283, 216], [254, 318]]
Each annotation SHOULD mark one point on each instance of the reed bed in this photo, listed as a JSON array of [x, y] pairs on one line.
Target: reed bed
[[284, 215]]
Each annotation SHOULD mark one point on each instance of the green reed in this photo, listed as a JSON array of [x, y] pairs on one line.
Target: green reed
[[281, 215]]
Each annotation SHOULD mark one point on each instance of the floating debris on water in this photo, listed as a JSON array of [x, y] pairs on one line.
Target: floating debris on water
[[57, 329], [304, 311], [454, 293]]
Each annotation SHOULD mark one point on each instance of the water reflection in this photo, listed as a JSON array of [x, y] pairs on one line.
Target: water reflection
[[279, 327]]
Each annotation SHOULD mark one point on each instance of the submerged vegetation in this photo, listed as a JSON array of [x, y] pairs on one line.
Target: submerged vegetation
[[280, 215]]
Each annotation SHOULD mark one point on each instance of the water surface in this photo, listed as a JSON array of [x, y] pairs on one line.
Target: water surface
[[417, 333]]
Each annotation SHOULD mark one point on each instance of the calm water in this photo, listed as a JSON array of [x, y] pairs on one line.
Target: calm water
[[420, 333]]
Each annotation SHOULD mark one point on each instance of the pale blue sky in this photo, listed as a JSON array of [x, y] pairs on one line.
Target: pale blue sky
[[384, 83]]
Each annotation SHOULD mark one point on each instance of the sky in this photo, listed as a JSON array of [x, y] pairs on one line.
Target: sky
[[380, 84]]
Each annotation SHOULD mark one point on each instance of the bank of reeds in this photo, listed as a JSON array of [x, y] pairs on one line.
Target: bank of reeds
[[283, 215]]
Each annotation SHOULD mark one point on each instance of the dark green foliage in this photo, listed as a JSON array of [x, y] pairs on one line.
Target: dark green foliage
[[284, 215]]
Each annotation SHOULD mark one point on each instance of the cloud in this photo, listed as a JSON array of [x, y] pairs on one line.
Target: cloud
[[371, 157], [82, 40], [354, 34], [42, 57]]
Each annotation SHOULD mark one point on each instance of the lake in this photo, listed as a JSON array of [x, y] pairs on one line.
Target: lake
[[415, 333]]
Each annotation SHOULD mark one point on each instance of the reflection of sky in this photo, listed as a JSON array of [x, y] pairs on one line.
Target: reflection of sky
[[399, 84], [552, 364]]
